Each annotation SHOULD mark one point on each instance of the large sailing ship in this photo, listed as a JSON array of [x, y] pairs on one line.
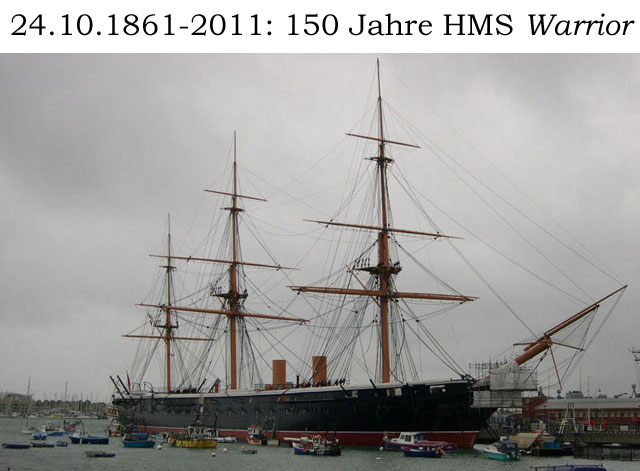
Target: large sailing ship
[[324, 400]]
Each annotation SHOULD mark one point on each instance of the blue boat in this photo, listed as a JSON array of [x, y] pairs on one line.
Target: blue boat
[[52, 429], [137, 440], [504, 450], [39, 435], [16, 446], [423, 451], [85, 439]]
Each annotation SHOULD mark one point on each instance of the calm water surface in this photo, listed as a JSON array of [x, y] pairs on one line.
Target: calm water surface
[[267, 459]]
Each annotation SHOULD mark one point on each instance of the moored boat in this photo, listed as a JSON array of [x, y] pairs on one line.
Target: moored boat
[[571, 467], [114, 428], [423, 451], [87, 439], [16, 446], [255, 435], [99, 454], [197, 436], [414, 439], [503, 450], [42, 445], [52, 429], [317, 445], [137, 440]]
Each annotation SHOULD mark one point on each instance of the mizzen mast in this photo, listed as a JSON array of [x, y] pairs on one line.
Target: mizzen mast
[[384, 270], [168, 327]]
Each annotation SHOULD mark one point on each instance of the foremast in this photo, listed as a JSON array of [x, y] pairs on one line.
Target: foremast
[[232, 299], [384, 270]]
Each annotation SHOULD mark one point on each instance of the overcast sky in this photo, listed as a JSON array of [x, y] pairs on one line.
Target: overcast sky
[[97, 149]]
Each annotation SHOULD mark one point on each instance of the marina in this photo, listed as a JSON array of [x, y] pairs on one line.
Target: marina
[[268, 458]]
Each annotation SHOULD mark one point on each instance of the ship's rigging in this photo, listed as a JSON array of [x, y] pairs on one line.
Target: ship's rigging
[[240, 353], [359, 308], [380, 289]]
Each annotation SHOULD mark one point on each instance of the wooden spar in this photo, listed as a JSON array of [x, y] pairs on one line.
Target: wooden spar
[[382, 140], [381, 294], [234, 194], [545, 342], [229, 313], [212, 260], [361, 283], [135, 336], [378, 228]]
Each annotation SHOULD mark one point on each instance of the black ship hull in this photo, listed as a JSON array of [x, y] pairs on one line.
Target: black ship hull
[[356, 415]]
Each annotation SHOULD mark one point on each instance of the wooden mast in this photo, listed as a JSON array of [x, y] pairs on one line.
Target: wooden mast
[[384, 273], [168, 326], [233, 306], [383, 270], [233, 274]]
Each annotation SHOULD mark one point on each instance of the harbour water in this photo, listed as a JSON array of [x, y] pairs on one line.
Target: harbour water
[[279, 458]]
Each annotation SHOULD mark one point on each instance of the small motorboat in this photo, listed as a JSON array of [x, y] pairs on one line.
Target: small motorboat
[[62, 443], [16, 446], [99, 454], [52, 429], [411, 439], [503, 450], [423, 451], [39, 435], [255, 435], [317, 446], [198, 436], [86, 439], [137, 440]]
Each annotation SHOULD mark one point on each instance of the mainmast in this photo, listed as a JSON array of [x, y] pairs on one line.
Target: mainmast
[[384, 270], [233, 295], [384, 273]]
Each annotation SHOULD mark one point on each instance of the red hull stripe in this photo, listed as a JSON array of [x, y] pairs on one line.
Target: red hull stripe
[[461, 439]]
